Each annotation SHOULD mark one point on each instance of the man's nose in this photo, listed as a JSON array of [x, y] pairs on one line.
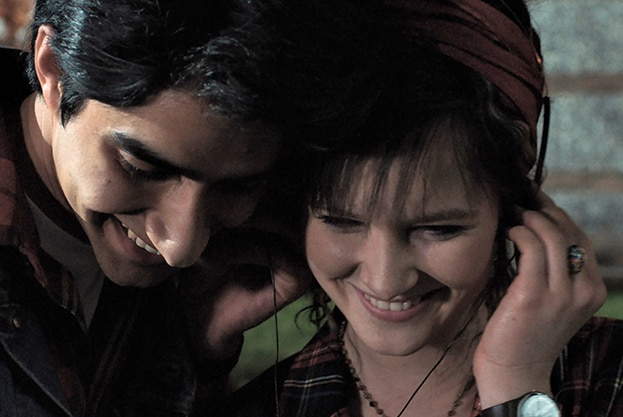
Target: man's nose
[[180, 225]]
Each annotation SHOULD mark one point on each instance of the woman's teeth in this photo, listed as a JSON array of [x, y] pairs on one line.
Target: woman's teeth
[[140, 242], [391, 306]]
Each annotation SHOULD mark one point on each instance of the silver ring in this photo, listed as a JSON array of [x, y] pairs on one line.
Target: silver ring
[[575, 258]]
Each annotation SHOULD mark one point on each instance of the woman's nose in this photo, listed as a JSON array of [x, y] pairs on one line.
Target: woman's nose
[[387, 264]]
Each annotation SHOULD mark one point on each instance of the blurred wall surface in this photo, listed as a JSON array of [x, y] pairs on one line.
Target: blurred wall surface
[[14, 18], [582, 42]]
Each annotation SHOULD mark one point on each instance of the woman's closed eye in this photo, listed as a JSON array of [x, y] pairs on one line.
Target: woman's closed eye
[[439, 232], [339, 222]]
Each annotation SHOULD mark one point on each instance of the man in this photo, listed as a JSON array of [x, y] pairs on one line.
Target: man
[[153, 126]]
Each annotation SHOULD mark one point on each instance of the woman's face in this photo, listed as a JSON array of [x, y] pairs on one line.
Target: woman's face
[[406, 278]]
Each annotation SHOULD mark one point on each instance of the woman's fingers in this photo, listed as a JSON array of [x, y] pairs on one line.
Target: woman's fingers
[[557, 233], [544, 306]]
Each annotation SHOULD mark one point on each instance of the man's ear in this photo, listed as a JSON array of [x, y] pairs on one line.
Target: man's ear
[[47, 69]]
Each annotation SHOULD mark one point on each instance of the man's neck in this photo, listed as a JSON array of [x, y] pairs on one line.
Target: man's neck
[[36, 168]]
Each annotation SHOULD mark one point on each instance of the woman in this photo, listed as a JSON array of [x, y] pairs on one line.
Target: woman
[[459, 287]]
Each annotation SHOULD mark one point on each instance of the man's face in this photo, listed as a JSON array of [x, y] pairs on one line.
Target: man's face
[[151, 184]]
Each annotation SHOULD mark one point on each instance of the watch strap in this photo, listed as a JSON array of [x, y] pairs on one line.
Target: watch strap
[[511, 408], [507, 409]]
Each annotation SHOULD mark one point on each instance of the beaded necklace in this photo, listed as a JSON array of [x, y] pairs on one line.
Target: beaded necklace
[[374, 404]]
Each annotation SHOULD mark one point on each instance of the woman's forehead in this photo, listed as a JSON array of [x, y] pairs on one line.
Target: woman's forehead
[[405, 184]]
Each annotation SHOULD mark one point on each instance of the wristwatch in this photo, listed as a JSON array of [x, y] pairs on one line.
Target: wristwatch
[[532, 404]]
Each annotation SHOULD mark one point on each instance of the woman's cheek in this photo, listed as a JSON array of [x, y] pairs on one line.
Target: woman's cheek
[[329, 255], [464, 264]]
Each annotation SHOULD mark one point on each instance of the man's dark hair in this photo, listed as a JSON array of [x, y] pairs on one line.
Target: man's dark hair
[[281, 62]]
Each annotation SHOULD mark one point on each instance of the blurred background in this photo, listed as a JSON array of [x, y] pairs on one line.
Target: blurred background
[[582, 44], [14, 17]]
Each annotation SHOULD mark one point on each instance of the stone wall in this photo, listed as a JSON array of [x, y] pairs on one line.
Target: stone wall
[[582, 44]]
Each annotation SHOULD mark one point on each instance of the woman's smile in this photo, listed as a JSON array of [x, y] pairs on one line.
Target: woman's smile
[[407, 273], [400, 308]]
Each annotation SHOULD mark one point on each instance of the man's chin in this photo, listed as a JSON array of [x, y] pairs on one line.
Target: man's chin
[[141, 277]]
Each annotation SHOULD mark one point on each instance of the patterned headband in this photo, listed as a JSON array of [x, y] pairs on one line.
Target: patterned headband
[[492, 44]]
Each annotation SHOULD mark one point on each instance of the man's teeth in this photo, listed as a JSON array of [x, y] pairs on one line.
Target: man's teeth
[[391, 306], [141, 243]]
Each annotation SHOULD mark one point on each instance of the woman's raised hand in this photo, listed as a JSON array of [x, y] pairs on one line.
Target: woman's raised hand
[[544, 307]]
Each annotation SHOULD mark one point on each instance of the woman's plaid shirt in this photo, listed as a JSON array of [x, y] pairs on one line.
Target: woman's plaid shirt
[[586, 381]]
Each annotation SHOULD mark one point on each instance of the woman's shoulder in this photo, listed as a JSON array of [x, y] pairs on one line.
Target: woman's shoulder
[[315, 361], [598, 344], [603, 330], [589, 371], [257, 397]]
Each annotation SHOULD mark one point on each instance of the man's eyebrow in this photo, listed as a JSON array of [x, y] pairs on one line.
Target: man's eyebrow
[[139, 150]]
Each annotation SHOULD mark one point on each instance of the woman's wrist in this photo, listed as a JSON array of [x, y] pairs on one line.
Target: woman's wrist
[[500, 386], [531, 404]]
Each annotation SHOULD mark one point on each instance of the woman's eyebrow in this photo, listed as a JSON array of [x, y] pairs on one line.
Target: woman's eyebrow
[[445, 214]]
